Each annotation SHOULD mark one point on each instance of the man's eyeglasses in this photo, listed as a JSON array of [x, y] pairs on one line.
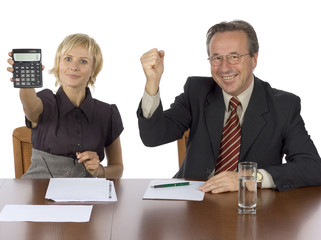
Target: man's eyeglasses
[[232, 59]]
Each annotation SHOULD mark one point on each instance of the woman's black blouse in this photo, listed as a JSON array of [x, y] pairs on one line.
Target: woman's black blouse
[[64, 129]]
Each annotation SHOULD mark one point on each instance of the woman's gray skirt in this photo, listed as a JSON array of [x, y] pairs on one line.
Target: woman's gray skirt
[[46, 165]]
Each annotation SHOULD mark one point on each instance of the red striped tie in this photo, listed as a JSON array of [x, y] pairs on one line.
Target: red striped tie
[[231, 141]]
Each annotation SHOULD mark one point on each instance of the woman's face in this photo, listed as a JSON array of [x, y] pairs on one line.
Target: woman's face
[[75, 68]]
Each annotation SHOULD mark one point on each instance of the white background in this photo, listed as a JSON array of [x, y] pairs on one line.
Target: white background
[[289, 57]]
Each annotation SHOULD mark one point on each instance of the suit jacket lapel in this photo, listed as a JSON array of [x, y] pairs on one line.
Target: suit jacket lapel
[[253, 119], [214, 114]]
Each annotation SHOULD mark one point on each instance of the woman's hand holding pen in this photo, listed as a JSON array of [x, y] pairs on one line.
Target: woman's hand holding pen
[[92, 163]]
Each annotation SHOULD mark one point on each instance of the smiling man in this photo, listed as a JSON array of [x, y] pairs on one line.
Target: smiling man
[[233, 117]]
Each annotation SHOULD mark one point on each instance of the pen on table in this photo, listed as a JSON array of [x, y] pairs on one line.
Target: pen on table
[[171, 185], [109, 189]]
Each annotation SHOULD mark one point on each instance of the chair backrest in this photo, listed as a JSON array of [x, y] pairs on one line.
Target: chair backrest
[[181, 147], [22, 150]]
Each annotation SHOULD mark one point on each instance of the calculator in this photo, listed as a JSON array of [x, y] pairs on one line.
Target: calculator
[[27, 68]]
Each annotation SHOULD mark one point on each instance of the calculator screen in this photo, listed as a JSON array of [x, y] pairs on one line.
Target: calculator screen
[[26, 57]]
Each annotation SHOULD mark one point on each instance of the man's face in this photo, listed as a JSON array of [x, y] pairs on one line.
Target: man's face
[[233, 79]]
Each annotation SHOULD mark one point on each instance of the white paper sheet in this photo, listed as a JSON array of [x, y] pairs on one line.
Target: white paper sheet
[[189, 192], [81, 189], [46, 213]]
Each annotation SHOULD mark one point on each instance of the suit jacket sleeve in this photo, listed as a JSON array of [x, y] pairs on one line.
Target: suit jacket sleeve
[[303, 164], [165, 126]]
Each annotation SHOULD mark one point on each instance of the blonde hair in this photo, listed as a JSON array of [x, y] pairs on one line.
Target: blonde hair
[[76, 40]]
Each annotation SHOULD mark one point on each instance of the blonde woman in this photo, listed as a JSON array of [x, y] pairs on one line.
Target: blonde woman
[[71, 131]]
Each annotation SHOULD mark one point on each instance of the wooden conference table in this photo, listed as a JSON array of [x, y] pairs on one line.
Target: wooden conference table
[[295, 214]]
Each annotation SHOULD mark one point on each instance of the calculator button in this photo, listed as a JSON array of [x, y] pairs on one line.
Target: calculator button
[[17, 79]]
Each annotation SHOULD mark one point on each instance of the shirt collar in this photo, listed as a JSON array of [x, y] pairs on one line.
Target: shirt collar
[[244, 97], [65, 105]]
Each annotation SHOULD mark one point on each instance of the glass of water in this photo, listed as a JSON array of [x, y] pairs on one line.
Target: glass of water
[[247, 187]]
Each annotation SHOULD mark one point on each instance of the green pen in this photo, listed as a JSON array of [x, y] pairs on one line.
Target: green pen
[[171, 185]]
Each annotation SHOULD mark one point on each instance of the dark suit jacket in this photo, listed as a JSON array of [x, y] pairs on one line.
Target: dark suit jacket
[[272, 128]]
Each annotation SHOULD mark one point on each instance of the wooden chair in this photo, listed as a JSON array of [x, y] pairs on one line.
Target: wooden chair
[[181, 147], [22, 150]]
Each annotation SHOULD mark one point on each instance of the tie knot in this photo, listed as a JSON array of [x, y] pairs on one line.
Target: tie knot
[[234, 103]]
